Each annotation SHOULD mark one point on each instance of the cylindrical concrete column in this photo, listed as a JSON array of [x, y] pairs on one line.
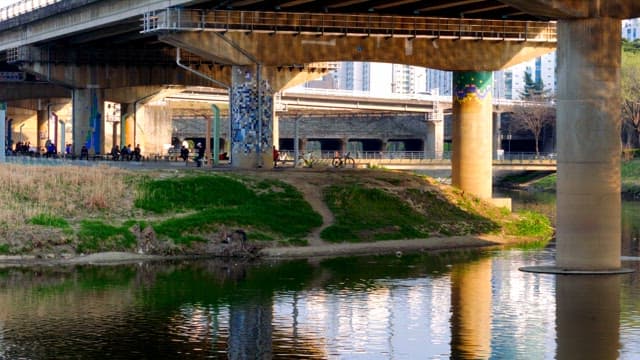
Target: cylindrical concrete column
[[588, 129], [127, 124], [434, 143], [43, 129], [88, 120], [497, 141], [471, 133]]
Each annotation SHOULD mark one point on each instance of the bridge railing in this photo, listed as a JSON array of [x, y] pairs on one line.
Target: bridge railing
[[390, 156], [22, 7], [173, 19]]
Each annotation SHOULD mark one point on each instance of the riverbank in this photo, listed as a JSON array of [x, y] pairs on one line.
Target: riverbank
[[389, 247], [107, 215]]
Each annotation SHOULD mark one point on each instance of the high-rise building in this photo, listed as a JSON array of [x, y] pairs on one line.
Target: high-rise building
[[379, 79], [631, 29]]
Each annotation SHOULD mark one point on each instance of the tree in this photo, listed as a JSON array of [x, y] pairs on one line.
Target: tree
[[536, 112], [630, 91]]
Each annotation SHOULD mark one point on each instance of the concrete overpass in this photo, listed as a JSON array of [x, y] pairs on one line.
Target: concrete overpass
[[256, 62]]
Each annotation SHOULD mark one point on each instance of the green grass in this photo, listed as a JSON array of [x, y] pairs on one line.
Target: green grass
[[195, 192], [261, 208], [363, 214], [49, 220], [5, 249], [96, 236], [530, 224]]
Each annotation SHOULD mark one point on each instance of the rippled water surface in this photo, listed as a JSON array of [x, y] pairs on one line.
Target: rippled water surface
[[460, 305]]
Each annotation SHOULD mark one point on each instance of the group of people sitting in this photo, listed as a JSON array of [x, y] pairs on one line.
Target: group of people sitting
[[126, 153]]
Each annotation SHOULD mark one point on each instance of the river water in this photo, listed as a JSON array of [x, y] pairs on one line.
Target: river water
[[447, 305]]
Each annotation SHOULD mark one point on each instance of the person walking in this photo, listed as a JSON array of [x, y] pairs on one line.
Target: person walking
[[200, 157], [276, 156]]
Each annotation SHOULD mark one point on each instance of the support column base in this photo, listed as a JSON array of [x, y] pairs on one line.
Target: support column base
[[501, 202], [551, 269]]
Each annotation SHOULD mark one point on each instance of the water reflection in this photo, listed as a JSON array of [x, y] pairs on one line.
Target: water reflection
[[588, 316], [471, 310], [463, 305]]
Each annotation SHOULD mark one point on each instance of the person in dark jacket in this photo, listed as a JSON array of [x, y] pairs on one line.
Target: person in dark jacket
[[200, 157]]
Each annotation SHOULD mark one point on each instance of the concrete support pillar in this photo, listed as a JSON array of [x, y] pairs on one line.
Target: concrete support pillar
[[588, 317], [127, 124], [153, 128], [5, 128], [497, 131], [276, 130], [251, 116], [42, 129], [303, 146], [344, 145], [434, 142], [88, 122], [588, 129], [471, 310], [471, 133]]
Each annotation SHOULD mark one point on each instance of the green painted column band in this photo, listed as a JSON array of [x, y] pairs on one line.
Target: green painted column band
[[472, 85]]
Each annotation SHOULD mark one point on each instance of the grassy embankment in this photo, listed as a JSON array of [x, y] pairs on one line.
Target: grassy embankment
[[73, 209]]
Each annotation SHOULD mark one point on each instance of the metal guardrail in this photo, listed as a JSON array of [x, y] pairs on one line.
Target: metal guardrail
[[21, 7], [514, 157], [173, 19]]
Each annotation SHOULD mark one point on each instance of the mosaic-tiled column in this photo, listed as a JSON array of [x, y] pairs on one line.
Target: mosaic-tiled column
[[471, 133], [88, 124], [251, 115]]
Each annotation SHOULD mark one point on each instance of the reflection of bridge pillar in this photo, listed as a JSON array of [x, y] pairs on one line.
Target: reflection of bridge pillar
[[434, 143], [250, 331], [42, 129], [251, 116], [587, 317], [588, 129], [471, 132], [471, 310], [88, 123]]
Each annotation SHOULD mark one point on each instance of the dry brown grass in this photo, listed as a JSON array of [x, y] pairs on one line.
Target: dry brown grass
[[65, 191]]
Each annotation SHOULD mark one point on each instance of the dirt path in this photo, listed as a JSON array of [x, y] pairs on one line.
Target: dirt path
[[311, 188]]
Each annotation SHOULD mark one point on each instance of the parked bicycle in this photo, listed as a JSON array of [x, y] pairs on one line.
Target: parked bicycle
[[307, 160], [343, 161]]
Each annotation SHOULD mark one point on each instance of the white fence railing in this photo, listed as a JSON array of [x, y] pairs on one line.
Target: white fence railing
[[390, 156], [20, 7]]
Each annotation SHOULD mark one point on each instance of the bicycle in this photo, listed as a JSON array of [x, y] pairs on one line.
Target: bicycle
[[307, 160], [343, 161]]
